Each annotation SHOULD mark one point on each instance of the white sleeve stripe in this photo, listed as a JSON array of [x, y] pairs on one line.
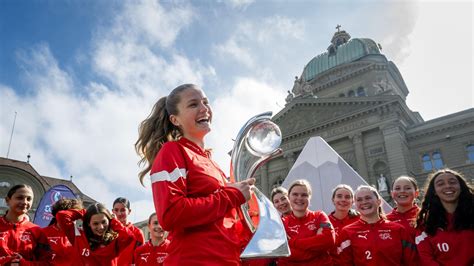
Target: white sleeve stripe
[[420, 238], [165, 176], [344, 245]]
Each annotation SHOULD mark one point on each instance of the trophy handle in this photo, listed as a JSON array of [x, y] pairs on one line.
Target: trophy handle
[[269, 237]]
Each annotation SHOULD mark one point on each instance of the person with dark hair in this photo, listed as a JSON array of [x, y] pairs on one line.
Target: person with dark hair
[[404, 192], [100, 240], [373, 240], [343, 214], [155, 251], [310, 233], [63, 252], [446, 220], [21, 241], [280, 200], [121, 210], [192, 197]]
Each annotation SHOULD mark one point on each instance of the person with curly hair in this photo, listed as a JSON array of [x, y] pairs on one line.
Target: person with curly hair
[[100, 240], [446, 220], [63, 252]]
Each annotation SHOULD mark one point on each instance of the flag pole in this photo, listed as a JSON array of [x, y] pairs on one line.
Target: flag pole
[[11, 135]]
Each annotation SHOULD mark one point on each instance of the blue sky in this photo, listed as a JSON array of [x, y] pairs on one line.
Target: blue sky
[[81, 75]]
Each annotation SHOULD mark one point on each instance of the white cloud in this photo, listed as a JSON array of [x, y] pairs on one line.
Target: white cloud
[[247, 98]]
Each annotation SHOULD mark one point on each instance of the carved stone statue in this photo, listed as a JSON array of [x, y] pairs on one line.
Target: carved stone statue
[[382, 183]]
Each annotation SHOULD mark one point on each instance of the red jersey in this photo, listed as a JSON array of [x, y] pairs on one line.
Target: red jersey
[[100, 256], [193, 202], [310, 239], [147, 254], [446, 247], [338, 225], [380, 243], [407, 219], [126, 256], [26, 239], [63, 252]]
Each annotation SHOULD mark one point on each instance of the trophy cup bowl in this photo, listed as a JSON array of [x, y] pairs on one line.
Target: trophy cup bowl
[[257, 142]]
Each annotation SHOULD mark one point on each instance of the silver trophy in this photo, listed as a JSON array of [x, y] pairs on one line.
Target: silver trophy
[[257, 142]]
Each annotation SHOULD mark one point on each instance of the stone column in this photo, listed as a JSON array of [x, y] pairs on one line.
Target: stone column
[[264, 178], [290, 157], [360, 155], [394, 144]]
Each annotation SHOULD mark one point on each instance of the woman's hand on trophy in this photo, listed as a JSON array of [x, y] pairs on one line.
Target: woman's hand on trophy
[[244, 186]]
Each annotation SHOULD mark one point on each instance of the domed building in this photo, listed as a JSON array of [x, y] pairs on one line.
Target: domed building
[[355, 99]]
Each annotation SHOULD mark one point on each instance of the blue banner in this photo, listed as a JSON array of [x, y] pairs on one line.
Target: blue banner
[[43, 214]]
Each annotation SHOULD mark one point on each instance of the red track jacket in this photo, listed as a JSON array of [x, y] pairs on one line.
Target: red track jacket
[[446, 247], [148, 254], [25, 238], [338, 225], [407, 219], [126, 256], [193, 203], [306, 245], [102, 256], [381, 243], [63, 252]]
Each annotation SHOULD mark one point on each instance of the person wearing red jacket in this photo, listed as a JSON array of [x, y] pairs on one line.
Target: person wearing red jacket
[[404, 193], [446, 221], [343, 214], [121, 210], [310, 233], [373, 240], [21, 242], [280, 201], [64, 253], [155, 251], [102, 237], [193, 200]]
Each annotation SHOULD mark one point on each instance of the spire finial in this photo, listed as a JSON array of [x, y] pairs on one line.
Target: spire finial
[[28, 158], [338, 27]]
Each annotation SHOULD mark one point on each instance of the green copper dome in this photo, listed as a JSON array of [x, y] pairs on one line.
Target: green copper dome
[[350, 51]]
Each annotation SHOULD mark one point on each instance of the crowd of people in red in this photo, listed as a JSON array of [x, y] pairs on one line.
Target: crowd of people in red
[[198, 207]]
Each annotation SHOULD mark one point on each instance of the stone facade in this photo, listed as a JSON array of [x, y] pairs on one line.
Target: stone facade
[[359, 107]]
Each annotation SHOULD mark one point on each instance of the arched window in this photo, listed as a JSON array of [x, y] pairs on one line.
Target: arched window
[[438, 162], [361, 92], [470, 152], [351, 93], [432, 161], [427, 165]]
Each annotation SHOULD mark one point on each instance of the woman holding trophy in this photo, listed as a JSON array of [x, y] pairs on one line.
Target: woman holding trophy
[[193, 200]]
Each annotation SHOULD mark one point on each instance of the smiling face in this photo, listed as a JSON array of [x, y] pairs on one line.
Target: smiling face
[[121, 212], [342, 200], [20, 202], [404, 192], [367, 203], [194, 114], [281, 203], [299, 199], [99, 224], [155, 228], [447, 188]]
